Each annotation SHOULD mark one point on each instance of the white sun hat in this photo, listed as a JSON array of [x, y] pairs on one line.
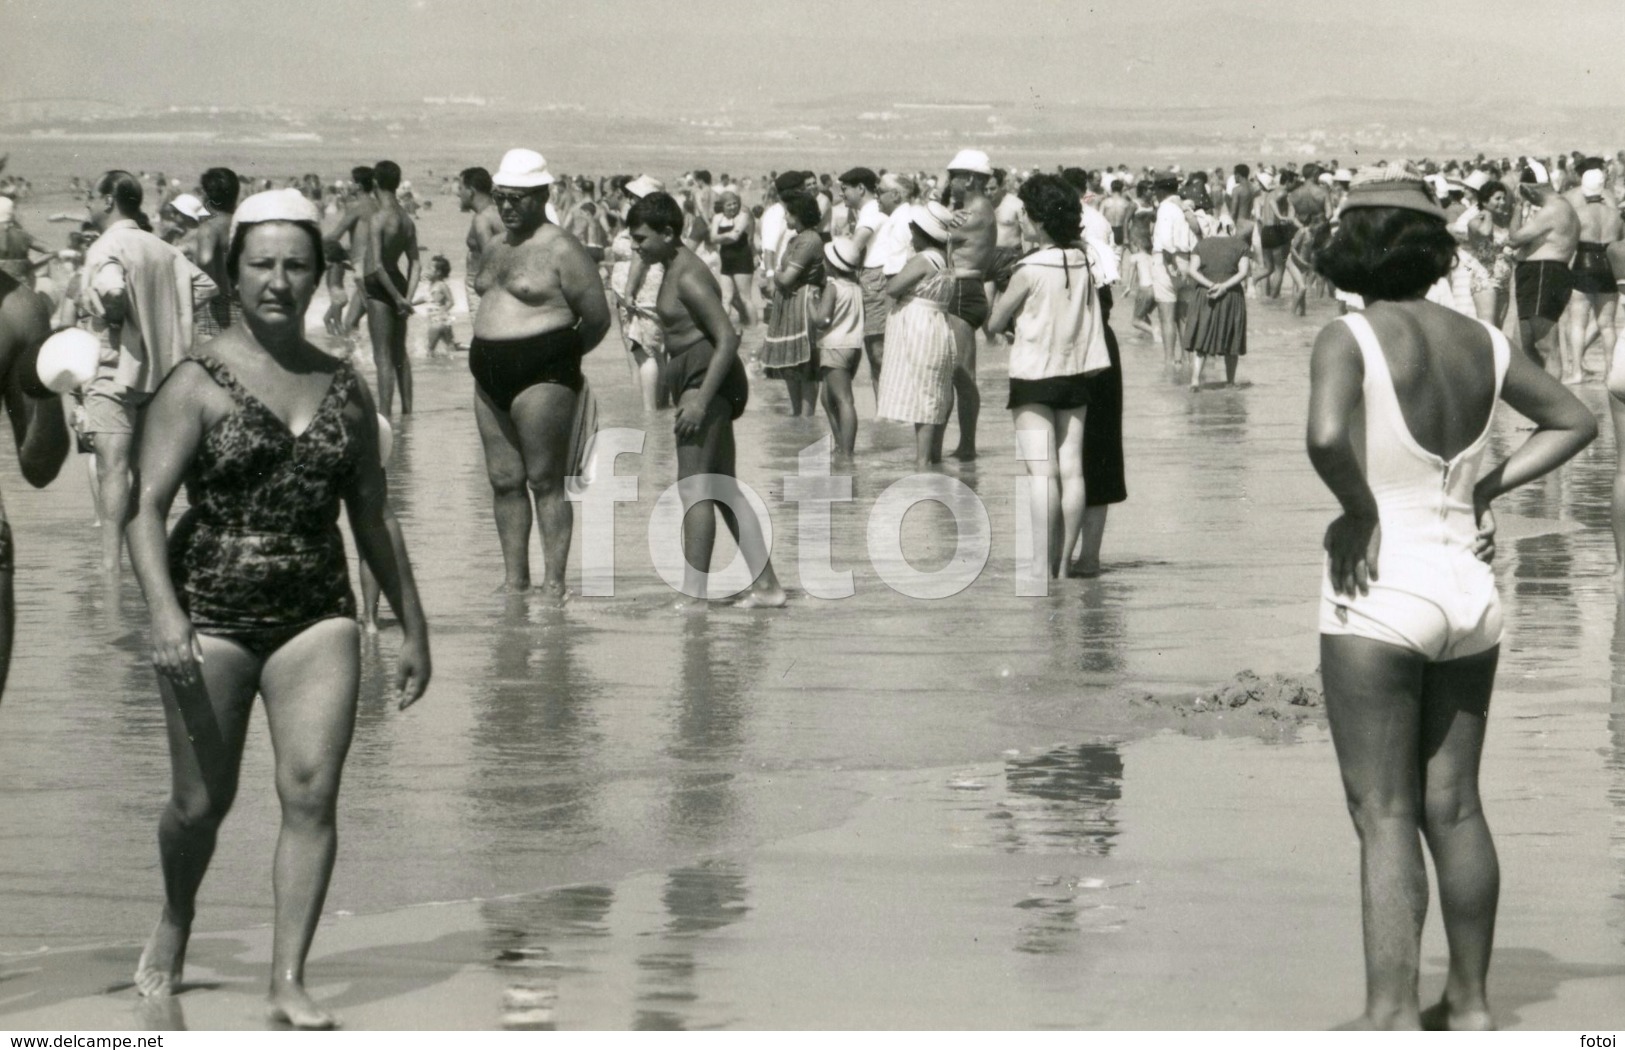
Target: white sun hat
[[522, 169], [971, 160]]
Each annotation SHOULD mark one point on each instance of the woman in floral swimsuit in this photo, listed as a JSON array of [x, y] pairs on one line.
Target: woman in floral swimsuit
[[251, 594]]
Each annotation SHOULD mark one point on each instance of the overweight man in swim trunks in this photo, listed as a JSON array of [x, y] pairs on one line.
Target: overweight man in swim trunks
[[392, 236], [972, 244], [1545, 244], [542, 307], [1593, 273], [37, 423]]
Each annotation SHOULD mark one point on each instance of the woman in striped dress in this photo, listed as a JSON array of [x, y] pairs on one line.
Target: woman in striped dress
[[917, 377]]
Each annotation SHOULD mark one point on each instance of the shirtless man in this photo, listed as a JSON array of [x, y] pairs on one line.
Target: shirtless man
[[1240, 197], [1600, 227], [391, 237], [1309, 199], [37, 424], [972, 241], [1275, 230], [1117, 208], [1545, 243], [213, 241], [474, 195], [352, 222], [542, 307]]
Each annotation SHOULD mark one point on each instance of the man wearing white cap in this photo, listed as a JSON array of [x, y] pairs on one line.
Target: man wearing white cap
[[972, 245], [542, 308], [37, 423], [1545, 244]]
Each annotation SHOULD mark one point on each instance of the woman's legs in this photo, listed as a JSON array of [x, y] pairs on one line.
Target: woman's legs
[[1373, 702], [1455, 706], [841, 409], [792, 387], [1061, 519], [1484, 303], [381, 318], [928, 444], [1070, 430], [809, 395], [712, 452], [1230, 363], [1198, 362], [741, 299], [310, 686], [206, 722]]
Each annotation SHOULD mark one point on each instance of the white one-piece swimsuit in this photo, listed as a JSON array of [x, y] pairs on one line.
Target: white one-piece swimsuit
[[1431, 594]]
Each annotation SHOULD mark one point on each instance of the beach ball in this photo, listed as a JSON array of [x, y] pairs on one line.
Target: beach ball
[[386, 439], [68, 360]]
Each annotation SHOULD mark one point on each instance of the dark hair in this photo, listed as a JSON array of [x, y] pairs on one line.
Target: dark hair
[[999, 175], [125, 189], [388, 175], [789, 182], [362, 176], [803, 208], [864, 177], [1387, 253], [440, 265], [1243, 171], [1053, 204], [220, 187], [1490, 189], [660, 212], [1077, 178], [702, 176], [476, 179], [234, 253]]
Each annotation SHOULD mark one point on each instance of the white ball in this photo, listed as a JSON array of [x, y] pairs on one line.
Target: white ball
[[386, 439], [68, 360]]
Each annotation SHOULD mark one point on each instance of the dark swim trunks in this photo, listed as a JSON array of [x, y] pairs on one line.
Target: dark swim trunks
[[1275, 235], [1593, 273], [687, 368], [8, 553], [505, 368], [967, 300], [1544, 288], [374, 285]]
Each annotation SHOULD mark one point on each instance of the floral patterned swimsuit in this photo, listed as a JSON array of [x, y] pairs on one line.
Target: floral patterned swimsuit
[[258, 557]]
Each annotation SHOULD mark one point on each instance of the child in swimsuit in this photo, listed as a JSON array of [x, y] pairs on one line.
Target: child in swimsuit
[[440, 305]]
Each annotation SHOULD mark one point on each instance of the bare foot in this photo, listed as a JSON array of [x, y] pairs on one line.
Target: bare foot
[[369, 626], [1442, 1017], [1574, 380], [1084, 570], [553, 595], [1386, 1023], [512, 587], [159, 971], [687, 606], [291, 1005], [762, 598], [964, 455]]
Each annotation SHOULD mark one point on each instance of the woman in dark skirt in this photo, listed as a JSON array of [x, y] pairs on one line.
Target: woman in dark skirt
[[1218, 327]]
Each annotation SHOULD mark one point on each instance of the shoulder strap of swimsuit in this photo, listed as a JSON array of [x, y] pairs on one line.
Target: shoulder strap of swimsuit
[[221, 375], [1376, 366], [1503, 355]]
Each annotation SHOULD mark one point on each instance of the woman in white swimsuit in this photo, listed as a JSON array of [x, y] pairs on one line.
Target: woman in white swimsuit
[[1410, 620]]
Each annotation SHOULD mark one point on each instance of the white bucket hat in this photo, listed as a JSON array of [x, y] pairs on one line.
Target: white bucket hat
[[190, 207], [971, 160], [522, 169]]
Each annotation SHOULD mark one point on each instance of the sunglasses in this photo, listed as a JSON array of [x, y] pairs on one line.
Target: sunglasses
[[511, 197]]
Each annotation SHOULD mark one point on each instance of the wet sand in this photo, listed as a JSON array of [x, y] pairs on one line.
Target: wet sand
[[875, 812]]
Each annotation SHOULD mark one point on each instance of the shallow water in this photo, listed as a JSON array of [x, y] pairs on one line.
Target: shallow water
[[876, 811]]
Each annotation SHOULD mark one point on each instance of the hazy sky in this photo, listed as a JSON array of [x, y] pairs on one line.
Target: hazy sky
[[700, 55]]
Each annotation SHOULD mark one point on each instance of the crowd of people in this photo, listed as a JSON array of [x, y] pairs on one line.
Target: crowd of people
[[207, 379]]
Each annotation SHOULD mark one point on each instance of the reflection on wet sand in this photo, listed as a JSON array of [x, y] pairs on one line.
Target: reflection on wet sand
[[720, 661], [535, 738], [528, 938], [698, 901]]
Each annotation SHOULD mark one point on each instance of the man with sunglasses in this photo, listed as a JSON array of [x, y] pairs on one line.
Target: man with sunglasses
[[542, 308]]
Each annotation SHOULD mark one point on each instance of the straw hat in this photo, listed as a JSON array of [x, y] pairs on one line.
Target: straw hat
[[1389, 188], [933, 218], [843, 254]]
